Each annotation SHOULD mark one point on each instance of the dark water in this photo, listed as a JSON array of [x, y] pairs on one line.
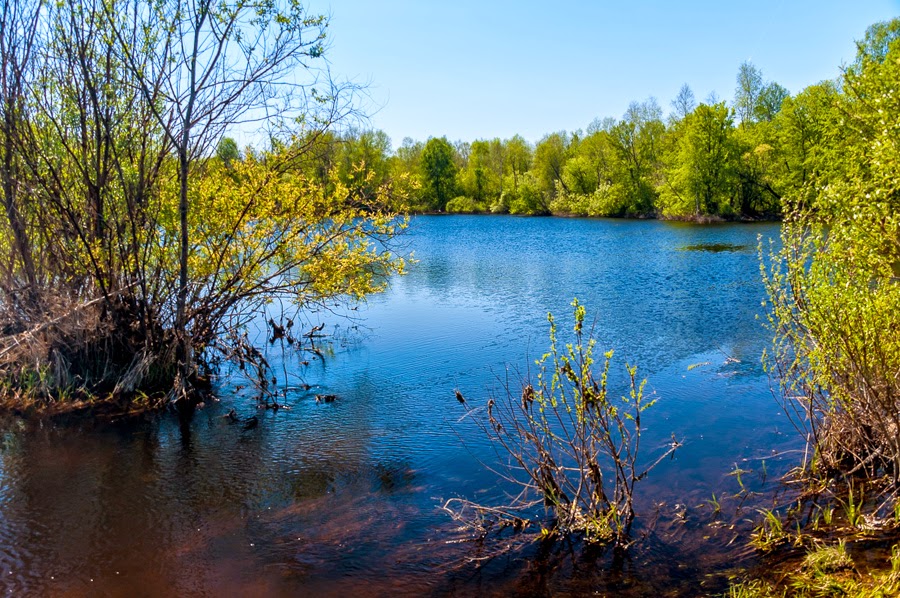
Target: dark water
[[342, 498]]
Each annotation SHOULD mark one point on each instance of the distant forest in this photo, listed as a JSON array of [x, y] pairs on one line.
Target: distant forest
[[708, 159]]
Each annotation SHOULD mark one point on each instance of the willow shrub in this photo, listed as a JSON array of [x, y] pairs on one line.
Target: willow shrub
[[834, 292], [569, 444], [131, 258], [836, 317], [262, 236]]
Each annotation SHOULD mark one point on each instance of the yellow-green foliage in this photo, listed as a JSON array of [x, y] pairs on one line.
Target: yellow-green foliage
[[527, 199], [255, 225], [606, 200], [466, 205], [834, 289], [128, 252], [258, 231], [571, 444]]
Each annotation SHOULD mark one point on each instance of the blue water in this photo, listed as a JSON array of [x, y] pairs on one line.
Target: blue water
[[342, 497]]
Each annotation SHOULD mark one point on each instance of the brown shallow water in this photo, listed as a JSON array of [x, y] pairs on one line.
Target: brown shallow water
[[343, 498]]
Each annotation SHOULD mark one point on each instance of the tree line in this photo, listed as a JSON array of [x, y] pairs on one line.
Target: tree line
[[731, 160]]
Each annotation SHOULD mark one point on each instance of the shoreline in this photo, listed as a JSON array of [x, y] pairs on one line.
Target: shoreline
[[700, 219]]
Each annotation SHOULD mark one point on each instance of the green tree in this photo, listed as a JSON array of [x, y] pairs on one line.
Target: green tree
[[758, 169], [590, 176], [807, 126], [19, 25], [362, 162], [754, 99], [876, 44], [405, 168], [520, 156], [589, 164], [768, 104], [529, 198], [197, 55], [227, 151], [746, 94], [499, 165], [550, 156], [478, 179], [637, 142], [700, 179], [580, 175], [684, 103], [439, 170]]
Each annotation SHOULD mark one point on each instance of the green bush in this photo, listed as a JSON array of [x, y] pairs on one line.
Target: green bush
[[606, 200], [465, 205], [528, 198], [834, 291]]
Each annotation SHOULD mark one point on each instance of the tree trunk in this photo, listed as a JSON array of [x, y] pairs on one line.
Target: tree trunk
[[183, 354]]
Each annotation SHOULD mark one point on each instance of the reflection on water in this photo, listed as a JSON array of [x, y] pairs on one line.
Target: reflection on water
[[341, 497], [715, 247]]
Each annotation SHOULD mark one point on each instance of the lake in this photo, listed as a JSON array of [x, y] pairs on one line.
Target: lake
[[343, 497]]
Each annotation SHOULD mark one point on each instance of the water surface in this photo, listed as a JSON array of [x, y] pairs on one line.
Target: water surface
[[342, 497]]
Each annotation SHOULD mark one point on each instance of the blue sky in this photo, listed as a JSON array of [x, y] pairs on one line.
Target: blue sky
[[473, 69]]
